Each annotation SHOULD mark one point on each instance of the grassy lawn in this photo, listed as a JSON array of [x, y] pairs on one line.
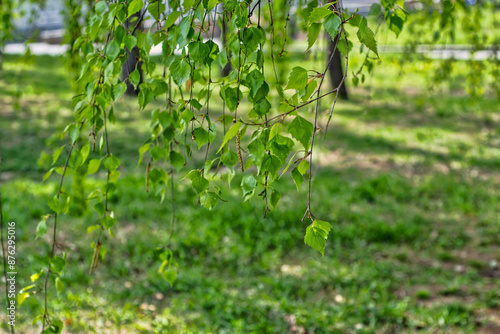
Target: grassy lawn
[[408, 177]]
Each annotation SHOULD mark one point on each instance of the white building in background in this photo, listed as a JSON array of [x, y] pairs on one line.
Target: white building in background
[[46, 18], [50, 21]]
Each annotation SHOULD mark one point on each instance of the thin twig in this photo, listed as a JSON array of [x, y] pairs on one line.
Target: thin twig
[[315, 129]]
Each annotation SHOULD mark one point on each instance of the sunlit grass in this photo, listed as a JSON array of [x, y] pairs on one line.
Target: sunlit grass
[[407, 179]]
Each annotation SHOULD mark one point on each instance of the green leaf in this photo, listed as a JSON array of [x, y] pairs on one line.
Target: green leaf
[[210, 5], [281, 147], [375, 9], [176, 160], [275, 198], [319, 13], [254, 80], [93, 228], [187, 4], [233, 130], [196, 104], [275, 130], [312, 35], [57, 264], [303, 166], [130, 41], [198, 51], [172, 17], [55, 205], [84, 151], [297, 177], [134, 6], [119, 90], [56, 154], [73, 132], [41, 229], [316, 235], [157, 153], [108, 72], [252, 37], [100, 208], [271, 164], [145, 96], [170, 275], [226, 119], [262, 107], [112, 49], [309, 90], [198, 181], [135, 78], [156, 8], [180, 71], [155, 176], [229, 159], [94, 194], [298, 79], [355, 20], [21, 297], [144, 148], [366, 36], [36, 276], [342, 46], [48, 174], [248, 184], [209, 199], [100, 7], [259, 94], [93, 167], [256, 152], [59, 285], [55, 327], [332, 24], [187, 115], [120, 32], [213, 53], [37, 318], [200, 136], [397, 20], [108, 222], [301, 129], [111, 162], [231, 96]]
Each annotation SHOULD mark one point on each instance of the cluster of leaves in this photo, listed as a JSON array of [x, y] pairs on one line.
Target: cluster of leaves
[[266, 139]]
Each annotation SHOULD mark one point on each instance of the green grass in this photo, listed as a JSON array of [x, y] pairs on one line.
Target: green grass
[[406, 176]]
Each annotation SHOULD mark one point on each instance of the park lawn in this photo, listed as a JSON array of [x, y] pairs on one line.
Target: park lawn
[[406, 175]]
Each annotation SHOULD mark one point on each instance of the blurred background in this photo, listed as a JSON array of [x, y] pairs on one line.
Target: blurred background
[[408, 175]]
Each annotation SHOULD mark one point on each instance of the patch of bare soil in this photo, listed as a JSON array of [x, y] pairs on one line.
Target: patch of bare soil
[[490, 320]]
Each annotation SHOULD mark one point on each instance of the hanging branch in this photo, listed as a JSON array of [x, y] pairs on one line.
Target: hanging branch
[[286, 25], [272, 40], [46, 319], [95, 259], [315, 129], [191, 65]]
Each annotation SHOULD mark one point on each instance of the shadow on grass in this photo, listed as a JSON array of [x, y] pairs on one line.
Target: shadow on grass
[[351, 143]]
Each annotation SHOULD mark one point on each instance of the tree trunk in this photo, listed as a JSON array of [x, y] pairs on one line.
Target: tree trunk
[[132, 61], [336, 70]]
